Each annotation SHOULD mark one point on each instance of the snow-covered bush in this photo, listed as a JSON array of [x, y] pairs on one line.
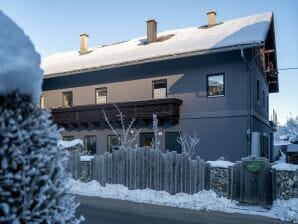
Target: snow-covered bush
[[32, 174], [128, 134], [32, 165], [189, 144]]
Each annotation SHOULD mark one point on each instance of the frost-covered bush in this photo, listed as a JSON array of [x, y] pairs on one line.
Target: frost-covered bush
[[33, 166], [189, 144]]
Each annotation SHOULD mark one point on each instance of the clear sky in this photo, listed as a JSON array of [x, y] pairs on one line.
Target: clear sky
[[55, 25]]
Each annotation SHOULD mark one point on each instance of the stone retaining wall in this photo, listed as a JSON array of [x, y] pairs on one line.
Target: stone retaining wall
[[285, 184]]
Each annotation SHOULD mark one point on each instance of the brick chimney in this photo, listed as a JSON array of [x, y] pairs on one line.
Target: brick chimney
[[211, 18], [84, 43], [151, 31]]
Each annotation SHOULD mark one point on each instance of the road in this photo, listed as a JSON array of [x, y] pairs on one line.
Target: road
[[109, 211]]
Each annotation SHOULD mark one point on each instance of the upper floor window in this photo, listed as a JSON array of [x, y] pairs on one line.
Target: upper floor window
[[159, 89], [216, 85], [41, 102], [67, 99], [101, 95], [258, 90]]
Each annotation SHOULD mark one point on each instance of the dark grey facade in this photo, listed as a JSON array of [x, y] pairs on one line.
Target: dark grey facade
[[224, 124]]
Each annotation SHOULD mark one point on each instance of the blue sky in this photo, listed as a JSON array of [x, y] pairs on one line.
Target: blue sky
[[55, 25]]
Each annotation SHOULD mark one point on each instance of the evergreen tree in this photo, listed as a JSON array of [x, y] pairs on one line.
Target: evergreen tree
[[32, 166]]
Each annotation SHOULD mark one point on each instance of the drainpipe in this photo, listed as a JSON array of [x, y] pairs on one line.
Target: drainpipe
[[248, 102]]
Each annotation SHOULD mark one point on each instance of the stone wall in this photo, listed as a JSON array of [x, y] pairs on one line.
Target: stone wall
[[219, 181], [85, 171], [285, 184]]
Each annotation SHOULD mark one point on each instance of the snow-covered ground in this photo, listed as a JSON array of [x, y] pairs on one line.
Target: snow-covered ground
[[203, 200]]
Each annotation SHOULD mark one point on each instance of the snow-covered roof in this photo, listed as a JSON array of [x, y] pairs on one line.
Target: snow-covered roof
[[285, 167], [292, 148], [243, 32]]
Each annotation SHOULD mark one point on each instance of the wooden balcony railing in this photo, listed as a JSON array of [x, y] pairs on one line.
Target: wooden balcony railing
[[167, 110]]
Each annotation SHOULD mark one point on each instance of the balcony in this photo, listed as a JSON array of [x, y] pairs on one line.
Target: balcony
[[91, 116]]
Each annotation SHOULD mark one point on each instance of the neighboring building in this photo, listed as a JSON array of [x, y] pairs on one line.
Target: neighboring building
[[213, 79]]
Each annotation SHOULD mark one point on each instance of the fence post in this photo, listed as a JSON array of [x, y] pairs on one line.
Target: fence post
[[178, 173]]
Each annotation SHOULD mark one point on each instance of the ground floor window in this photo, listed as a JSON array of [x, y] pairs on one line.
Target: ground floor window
[[113, 143], [68, 138], [146, 139], [90, 143], [264, 146], [171, 141]]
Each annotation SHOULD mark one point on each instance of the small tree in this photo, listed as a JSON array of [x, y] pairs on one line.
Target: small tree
[[189, 144], [156, 141], [33, 166], [128, 134]]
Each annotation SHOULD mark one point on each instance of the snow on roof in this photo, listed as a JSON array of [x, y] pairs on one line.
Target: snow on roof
[[69, 144], [20, 63], [285, 167], [292, 148], [220, 163], [243, 32]]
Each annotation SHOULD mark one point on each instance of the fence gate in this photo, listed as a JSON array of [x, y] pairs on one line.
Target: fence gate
[[255, 181]]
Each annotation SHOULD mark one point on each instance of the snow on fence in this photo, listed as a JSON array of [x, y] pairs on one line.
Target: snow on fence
[[249, 180]]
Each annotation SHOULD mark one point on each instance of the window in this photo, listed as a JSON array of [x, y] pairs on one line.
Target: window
[[68, 138], [258, 90], [101, 95], [146, 139], [90, 143], [41, 102], [215, 85], [113, 143], [67, 99], [159, 89], [264, 99], [171, 141]]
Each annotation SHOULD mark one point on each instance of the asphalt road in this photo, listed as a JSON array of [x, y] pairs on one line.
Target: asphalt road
[[109, 211]]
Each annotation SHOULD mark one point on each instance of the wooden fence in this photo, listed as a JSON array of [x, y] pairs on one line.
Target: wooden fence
[[147, 168]]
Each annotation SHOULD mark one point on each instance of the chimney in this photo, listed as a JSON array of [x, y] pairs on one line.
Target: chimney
[[84, 43], [151, 31], [211, 18]]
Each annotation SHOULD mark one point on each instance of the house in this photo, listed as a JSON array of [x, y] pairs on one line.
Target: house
[[213, 79]]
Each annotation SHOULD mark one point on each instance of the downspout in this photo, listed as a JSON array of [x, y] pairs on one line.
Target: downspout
[[248, 133]]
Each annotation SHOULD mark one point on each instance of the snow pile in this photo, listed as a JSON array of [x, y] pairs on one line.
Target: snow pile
[[203, 200], [285, 167], [220, 163], [70, 144], [86, 158], [20, 64], [286, 210], [251, 30]]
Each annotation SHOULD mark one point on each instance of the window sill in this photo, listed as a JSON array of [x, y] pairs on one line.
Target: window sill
[[215, 96]]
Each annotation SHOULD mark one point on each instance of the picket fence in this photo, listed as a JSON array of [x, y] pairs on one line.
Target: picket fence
[[147, 168]]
